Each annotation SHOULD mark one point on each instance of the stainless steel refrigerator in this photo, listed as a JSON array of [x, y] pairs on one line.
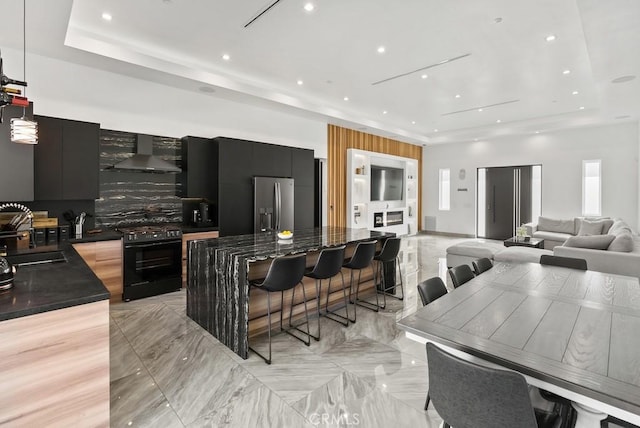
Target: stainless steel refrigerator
[[273, 204]]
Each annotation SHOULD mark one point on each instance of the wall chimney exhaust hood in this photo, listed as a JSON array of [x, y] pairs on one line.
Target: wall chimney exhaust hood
[[144, 160]]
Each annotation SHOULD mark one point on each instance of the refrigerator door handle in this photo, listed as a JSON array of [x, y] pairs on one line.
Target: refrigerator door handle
[[277, 206]]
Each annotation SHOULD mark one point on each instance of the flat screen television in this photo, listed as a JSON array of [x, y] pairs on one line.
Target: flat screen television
[[387, 183]]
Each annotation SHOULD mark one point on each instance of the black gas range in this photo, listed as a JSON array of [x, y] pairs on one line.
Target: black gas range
[[152, 259], [151, 233]]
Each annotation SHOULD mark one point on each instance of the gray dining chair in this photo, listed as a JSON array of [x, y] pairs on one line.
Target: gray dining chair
[[460, 275], [431, 289], [468, 395], [482, 265], [568, 262]]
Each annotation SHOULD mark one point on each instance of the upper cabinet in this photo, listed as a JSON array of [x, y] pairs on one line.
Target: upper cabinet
[[199, 168], [235, 160], [270, 160], [66, 160], [16, 161]]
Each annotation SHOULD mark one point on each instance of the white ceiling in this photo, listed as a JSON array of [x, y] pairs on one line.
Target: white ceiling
[[507, 68]]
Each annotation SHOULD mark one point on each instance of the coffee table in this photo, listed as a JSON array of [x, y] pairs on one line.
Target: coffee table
[[520, 242]]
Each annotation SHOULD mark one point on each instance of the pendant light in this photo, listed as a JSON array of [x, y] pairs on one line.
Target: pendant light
[[23, 130]]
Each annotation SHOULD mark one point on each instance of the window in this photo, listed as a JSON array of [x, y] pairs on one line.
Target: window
[[444, 200], [482, 202], [536, 192], [591, 186]]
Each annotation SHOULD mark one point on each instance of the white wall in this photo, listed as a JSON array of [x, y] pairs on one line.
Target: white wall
[[560, 153], [67, 90]]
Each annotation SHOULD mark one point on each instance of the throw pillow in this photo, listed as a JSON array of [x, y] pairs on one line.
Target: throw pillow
[[607, 223], [622, 243], [553, 225], [595, 242], [619, 227], [590, 228]]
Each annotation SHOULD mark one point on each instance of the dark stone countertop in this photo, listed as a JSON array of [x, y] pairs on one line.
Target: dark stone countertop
[[50, 286], [109, 234], [261, 246], [197, 229], [105, 235]]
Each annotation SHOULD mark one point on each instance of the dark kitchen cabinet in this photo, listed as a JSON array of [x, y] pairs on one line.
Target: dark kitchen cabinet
[[302, 164], [269, 160], [235, 159], [303, 206], [199, 168], [239, 161], [16, 161], [235, 214], [66, 160]]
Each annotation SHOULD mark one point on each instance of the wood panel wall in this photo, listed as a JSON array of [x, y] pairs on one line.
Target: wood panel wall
[[339, 141]]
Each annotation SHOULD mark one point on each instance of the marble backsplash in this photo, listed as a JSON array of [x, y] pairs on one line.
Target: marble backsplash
[[131, 197]]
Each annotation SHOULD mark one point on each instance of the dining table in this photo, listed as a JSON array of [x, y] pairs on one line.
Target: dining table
[[575, 333]]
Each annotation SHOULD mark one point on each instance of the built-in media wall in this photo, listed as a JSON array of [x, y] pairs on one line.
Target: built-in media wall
[[381, 192]]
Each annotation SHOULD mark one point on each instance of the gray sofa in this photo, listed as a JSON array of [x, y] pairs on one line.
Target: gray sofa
[[608, 245], [621, 256], [556, 231]]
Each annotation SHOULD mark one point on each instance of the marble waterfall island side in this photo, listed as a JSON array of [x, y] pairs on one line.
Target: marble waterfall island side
[[219, 271]]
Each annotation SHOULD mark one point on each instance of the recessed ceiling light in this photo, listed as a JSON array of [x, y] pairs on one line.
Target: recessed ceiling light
[[226, 57], [346, 98], [581, 108], [574, 93], [107, 16], [309, 7], [537, 132], [413, 122], [435, 130], [479, 109], [623, 79], [424, 76], [566, 71], [384, 112], [457, 95], [498, 121], [550, 38], [300, 82], [381, 49]]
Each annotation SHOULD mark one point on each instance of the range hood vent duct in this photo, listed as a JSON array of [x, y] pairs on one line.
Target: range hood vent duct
[[144, 160]]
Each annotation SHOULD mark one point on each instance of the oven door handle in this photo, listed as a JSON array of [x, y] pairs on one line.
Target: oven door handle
[[153, 244]]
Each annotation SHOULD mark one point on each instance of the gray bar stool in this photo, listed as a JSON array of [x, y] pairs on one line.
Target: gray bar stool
[[285, 273], [362, 258], [389, 253], [328, 265]]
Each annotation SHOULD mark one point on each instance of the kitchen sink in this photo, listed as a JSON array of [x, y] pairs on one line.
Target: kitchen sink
[[27, 259]]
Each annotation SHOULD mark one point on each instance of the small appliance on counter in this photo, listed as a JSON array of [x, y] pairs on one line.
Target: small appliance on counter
[[7, 272], [204, 212], [198, 212]]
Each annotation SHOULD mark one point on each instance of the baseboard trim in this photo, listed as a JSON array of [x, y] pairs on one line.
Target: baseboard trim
[[455, 235]]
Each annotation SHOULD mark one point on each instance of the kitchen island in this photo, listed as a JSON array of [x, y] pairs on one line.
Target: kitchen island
[[219, 271]]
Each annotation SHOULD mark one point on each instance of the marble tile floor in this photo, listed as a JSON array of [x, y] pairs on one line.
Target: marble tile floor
[[166, 371]]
